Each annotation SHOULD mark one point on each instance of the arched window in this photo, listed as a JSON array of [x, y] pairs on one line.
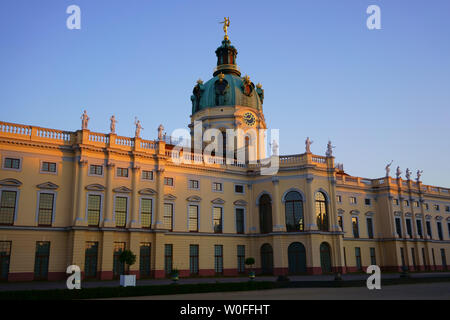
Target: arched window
[[293, 205], [321, 212], [265, 214]]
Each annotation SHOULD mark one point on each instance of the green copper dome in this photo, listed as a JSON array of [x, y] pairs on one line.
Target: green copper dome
[[227, 87]]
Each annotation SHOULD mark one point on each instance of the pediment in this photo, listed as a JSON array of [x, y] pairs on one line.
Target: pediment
[[147, 191], [95, 187], [122, 189], [48, 185], [341, 211], [408, 214], [428, 217], [354, 212], [398, 213], [218, 201], [370, 213], [438, 218], [169, 197], [10, 183], [194, 199], [240, 203]]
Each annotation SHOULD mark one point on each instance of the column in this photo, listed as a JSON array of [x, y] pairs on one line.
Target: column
[[134, 197], [108, 221], [310, 223], [80, 216], [159, 210], [276, 214]]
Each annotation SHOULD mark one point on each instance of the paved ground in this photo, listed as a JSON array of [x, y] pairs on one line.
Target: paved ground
[[426, 291], [44, 285]]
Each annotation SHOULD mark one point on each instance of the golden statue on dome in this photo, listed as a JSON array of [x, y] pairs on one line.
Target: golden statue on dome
[[226, 24]]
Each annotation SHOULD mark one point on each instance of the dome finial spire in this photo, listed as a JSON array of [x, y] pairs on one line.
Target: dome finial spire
[[226, 24]]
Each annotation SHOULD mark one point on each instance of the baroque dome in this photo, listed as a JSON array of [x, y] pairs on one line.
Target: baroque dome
[[227, 87]]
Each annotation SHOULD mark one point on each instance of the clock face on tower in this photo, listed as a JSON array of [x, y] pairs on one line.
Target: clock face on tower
[[249, 119]]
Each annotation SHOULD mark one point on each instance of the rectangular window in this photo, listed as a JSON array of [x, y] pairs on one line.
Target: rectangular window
[[367, 202], [398, 227], [396, 202], [339, 199], [45, 212], [193, 184], [406, 203], [122, 172], [193, 259], [168, 181], [48, 167], [239, 188], [409, 227], [373, 259], [341, 222], [90, 259], [439, 229], [355, 227], [7, 207], [95, 170], [353, 200], [118, 267], [436, 207], [413, 256], [41, 260], [94, 207], [120, 211], [239, 220], [426, 206], [146, 213], [416, 204], [444, 259], [358, 258], [12, 163], [402, 255], [193, 218], [168, 258], [5, 255], [370, 227], [145, 259], [147, 175], [419, 227], [447, 208], [345, 258], [217, 186], [218, 259], [241, 258], [168, 216], [448, 227], [424, 259], [217, 219], [429, 233]]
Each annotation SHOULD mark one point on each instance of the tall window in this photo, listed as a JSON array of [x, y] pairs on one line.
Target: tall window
[[45, 212], [294, 212], [408, 227], [355, 226], [218, 258], [94, 205], [217, 219], [168, 216], [5, 254], [358, 258], [90, 259], [429, 232], [265, 214], [425, 260], [193, 218], [419, 227], [193, 259], [41, 260], [118, 267], [168, 258], [146, 213], [448, 227], [439, 229], [444, 259], [398, 226], [413, 256], [120, 211], [144, 260], [373, 260], [241, 258], [239, 220], [370, 227], [321, 212], [341, 222], [7, 206]]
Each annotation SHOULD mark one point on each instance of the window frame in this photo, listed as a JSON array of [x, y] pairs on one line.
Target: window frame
[[100, 217], [357, 235], [194, 259], [152, 175], [39, 192], [13, 157], [219, 183], [218, 258], [122, 170], [16, 204], [152, 199], [371, 230], [172, 204], [94, 174], [192, 182], [127, 211], [166, 179], [192, 204], [41, 167], [239, 185], [243, 219], [221, 218]]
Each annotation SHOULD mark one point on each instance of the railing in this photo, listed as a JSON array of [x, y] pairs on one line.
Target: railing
[[124, 141], [98, 137], [15, 128], [147, 144]]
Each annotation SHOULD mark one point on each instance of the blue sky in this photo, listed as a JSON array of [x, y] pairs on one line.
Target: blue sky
[[379, 95]]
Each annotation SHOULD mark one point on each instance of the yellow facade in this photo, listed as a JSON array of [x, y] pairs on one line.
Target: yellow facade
[[27, 151]]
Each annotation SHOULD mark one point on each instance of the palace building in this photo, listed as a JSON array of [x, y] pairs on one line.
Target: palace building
[[81, 198]]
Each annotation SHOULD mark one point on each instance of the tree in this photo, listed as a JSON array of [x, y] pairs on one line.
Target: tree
[[129, 258], [250, 262]]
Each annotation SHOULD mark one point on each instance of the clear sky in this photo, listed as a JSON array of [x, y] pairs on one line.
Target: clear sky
[[379, 95]]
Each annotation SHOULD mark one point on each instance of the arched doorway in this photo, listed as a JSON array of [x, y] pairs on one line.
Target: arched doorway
[[325, 257], [266, 259], [296, 258], [265, 214]]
